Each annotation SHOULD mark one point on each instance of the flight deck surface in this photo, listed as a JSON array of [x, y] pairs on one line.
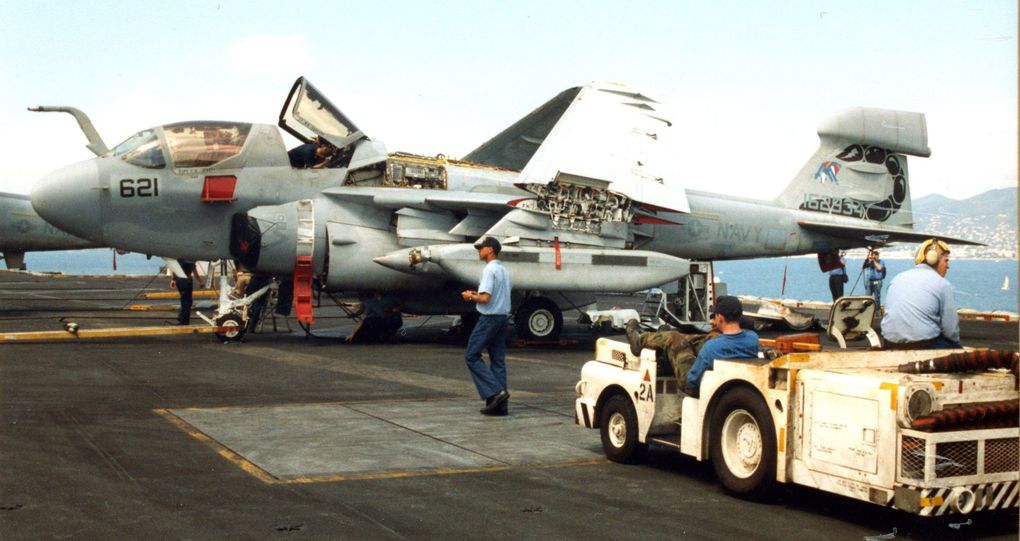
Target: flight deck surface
[[287, 435]]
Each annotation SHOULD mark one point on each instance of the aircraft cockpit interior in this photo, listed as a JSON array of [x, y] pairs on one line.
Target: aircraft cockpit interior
[[332, 140], [190, 144], [329, 138], [201, 144]]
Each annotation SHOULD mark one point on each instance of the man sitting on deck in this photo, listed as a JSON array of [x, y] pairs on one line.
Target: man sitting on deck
[[692, 354], [920, 310]]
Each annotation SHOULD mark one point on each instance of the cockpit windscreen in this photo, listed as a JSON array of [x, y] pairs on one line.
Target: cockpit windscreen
[[201, 144], [142, 149]]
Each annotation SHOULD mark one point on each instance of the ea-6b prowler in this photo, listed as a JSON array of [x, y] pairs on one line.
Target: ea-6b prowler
[[580, 192]]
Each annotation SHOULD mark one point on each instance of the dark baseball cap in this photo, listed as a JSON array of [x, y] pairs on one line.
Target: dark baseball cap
[[491, 242], [729, 307]]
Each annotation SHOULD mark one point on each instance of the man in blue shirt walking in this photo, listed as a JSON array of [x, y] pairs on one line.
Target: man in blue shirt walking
[[493, 303]]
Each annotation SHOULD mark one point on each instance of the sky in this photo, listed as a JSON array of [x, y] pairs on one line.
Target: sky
[[748, 82]]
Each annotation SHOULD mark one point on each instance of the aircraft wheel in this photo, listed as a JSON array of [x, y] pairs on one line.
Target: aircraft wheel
[[800, 326], [760, 324], [743, 444], [619, 428], [234, 328], [538, 319]]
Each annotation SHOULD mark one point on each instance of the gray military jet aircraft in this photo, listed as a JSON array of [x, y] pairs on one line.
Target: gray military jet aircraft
[[579, 191], [22, 230]]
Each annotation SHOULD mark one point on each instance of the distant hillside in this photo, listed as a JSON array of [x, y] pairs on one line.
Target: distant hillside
[[989, 217]]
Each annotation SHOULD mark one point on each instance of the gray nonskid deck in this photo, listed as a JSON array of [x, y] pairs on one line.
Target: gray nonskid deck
[[186, 437]]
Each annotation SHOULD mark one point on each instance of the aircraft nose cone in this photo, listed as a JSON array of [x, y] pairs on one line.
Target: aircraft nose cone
[[69, 199]]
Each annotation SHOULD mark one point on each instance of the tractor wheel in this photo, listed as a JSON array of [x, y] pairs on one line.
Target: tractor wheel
[[743, 444], [619, 428]]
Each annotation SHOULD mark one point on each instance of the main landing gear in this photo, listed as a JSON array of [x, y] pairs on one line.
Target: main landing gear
[[538, 318]]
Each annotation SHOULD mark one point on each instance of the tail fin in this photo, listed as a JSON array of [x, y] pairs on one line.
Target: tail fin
[[860, 169]]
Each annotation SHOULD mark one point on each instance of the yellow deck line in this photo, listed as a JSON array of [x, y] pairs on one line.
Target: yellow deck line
[[153, 308], [236, 459], [200, 294], [120, 332]]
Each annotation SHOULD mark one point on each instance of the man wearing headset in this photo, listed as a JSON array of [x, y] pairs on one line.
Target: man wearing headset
[[920, 312]]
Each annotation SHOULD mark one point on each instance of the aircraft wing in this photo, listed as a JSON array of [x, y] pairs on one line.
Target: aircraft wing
[[601, 135], [878, 235], [595, 162], [611, 136], [425, 199], [424, 216], [514, 147]]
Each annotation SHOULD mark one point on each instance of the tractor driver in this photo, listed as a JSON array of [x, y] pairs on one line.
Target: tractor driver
[[692, 354]]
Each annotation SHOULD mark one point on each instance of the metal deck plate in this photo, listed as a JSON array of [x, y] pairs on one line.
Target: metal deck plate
[[333, 442]]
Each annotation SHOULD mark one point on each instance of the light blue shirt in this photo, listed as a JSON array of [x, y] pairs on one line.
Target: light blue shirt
[[496, 282], [920, 306], [872, 274]]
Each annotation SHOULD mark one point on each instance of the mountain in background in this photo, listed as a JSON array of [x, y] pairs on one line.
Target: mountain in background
[[989, 217]]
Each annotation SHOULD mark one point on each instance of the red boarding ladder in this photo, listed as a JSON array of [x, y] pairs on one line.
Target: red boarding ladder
[[303, 264]]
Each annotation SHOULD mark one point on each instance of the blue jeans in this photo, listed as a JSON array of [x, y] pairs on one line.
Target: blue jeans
[[941, 342], [489, 334], [836, 285], [874, 288], [185, 287]]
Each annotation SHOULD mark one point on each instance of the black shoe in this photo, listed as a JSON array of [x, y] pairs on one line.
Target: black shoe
[[501, 410], [494, 402], [634, 337]]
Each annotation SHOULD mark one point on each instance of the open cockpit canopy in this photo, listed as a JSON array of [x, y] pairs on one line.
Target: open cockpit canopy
[[307, 114]]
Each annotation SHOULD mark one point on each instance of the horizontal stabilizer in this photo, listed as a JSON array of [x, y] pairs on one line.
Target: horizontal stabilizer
[[875, 235], [896, 131], [860, 168]]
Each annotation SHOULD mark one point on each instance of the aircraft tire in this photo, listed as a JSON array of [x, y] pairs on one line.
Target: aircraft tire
[[235, 326], [618, 427], [538, 319], [802, 326], [743, 444]]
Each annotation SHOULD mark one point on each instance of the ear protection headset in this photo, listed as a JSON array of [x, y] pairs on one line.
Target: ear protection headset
[[930, 251]]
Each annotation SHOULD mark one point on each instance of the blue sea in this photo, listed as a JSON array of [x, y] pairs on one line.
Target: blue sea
[[97, 261], [978, 283]]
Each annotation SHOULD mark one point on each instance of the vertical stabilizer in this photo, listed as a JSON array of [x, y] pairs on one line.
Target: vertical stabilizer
[[860, 167]]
